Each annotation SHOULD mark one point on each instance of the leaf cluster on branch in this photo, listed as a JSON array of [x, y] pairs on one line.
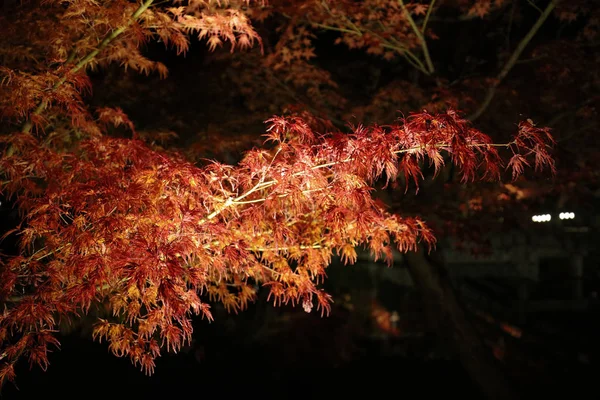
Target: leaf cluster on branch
[[156, 238], [148, 234], [45, 67]]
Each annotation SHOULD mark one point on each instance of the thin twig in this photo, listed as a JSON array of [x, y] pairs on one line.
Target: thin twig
[[424, 26], [512, 60], [415, 28], [301, 247], [385, 43], [532, 4]]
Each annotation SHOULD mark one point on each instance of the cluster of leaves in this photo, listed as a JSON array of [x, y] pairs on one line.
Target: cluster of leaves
[[290, 73], [44, 58], [545, 84], [149, 234]]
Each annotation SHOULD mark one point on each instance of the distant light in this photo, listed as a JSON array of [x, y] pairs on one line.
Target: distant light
[[541, 218], [566, 215]]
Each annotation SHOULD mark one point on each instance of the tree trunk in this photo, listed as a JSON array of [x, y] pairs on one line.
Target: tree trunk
[[449, 320]]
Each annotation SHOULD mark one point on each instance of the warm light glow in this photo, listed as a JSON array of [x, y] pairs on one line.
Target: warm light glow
[[541, 218], [566, 215]]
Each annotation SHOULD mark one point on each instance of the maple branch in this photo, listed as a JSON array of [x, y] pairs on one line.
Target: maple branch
[[427, 16], [301, 247], [385, 43], [26, 128], [49, 253], [270, 269], [400, 48], [261, 184], [281, 195], [532, 4], [512, 60], [337, 29], [415, 28]]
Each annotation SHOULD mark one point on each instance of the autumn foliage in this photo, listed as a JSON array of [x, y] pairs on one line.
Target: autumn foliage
[[109, 220], [149, 234]]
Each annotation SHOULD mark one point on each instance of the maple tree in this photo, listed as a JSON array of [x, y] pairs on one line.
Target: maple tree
[[401, 35], [156, 238]]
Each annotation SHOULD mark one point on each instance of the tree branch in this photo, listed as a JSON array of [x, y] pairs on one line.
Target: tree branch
[[391, 44], [427, 16], [415, 28], [512, 60], [264, 184], [26, 128]]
